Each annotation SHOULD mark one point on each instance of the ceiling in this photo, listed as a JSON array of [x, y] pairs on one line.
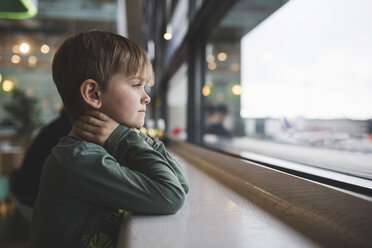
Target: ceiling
[[58, 16], [56, 19]]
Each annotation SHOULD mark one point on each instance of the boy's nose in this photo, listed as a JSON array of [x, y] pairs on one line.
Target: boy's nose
[[146, 99]]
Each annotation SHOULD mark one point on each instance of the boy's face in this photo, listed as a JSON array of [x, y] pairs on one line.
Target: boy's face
[[125, 100]]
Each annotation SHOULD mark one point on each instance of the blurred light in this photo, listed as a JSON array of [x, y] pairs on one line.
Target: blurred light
[[235, 67], [212, 66], [167, 36], [222, 56], [3, 209], [206, 90], [152, 132], [30, 92], [143, 130], [1, 77], [24, 48], [44, 48], [237, 89], [160, 133], [210, 58], [168, 32], [15, 49], [8, 85], [32, 60], [15, 59]]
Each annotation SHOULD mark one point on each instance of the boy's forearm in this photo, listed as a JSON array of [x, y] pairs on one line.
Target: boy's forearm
[[104, 181], [131, 150], [124, 138], [159, 146]]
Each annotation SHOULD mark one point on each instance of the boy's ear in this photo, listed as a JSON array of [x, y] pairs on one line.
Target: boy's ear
[[91, 93]]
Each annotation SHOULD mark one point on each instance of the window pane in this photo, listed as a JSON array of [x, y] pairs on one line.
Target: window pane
[[294, 87], [177, 104]]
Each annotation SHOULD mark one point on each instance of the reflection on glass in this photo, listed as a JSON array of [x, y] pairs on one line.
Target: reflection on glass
[[214, 119], [296, 88]]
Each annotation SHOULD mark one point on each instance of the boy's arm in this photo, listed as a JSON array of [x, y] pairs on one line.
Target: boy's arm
[[96, 127], [148, 185], [159, 146]]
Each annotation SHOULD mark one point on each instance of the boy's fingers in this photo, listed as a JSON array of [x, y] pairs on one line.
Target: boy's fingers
[[84, 134], [99, 115], [90, 120], [136, 130], [89, 136], [86, 127]]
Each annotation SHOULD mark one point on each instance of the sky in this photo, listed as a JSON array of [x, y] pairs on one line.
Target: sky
[[309, 59]]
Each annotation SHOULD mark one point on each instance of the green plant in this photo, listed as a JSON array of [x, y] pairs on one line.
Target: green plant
[[24, 112]]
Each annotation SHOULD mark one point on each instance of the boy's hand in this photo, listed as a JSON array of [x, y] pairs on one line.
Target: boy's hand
[[95, 127], [136, 130]]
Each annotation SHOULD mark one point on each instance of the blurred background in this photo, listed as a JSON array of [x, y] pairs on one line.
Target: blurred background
[[286, 83]]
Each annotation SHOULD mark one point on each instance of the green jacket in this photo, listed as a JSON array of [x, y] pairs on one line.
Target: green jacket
[[85, 187]]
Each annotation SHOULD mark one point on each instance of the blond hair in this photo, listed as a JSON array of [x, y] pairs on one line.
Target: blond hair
[[96, 55]]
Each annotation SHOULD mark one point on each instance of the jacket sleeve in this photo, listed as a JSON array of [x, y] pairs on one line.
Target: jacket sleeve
[[177, 169], [145, 184]]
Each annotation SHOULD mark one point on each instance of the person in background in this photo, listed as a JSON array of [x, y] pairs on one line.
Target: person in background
[[215, 115], [25, 182]]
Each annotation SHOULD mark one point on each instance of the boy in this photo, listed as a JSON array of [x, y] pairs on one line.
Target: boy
[[105, 164]]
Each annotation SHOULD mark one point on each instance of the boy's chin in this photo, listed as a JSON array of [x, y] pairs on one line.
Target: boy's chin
[[135, 125]]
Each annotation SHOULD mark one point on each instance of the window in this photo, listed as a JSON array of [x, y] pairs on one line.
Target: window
[[177, 104], [294, 87]]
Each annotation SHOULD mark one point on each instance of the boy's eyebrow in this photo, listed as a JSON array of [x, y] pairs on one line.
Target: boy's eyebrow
[[140, 78], [148, 82]]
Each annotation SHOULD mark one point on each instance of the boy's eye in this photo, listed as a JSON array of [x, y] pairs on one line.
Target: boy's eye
[[137, 85]]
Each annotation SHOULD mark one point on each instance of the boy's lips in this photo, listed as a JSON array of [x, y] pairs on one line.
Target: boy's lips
[[142, 110]]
